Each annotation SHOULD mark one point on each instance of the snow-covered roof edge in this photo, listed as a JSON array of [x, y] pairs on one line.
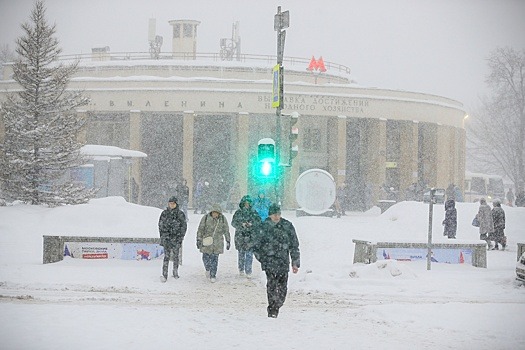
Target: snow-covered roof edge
[[110, 151]]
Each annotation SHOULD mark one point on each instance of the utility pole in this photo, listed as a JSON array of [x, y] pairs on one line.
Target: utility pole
[[280, 22]]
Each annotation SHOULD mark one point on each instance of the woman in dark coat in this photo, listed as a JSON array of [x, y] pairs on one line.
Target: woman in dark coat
[[498, 217], [245, 221], [451, 219], [486, 225]]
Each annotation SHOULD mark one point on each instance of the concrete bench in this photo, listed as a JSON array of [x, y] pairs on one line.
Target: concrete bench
[[367, 252], [53, 248]]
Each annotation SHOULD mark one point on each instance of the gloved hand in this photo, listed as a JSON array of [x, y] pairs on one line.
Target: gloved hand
[[227, 245], [199, 244]]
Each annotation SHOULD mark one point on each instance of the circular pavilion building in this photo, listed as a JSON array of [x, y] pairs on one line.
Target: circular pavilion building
[[199, 118]]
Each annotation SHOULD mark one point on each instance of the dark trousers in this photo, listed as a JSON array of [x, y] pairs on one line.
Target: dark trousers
[[171, 253], [211, 261], [276, 288]]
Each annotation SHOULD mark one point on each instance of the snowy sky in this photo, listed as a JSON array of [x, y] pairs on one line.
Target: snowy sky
[[437, 47]]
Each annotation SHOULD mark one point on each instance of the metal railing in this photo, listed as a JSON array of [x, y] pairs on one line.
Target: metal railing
[[214, 57]]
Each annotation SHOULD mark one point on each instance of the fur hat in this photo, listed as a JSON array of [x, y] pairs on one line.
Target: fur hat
[[173, 199], [274, 209]]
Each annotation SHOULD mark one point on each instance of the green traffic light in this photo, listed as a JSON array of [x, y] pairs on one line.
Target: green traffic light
[[266, 168]]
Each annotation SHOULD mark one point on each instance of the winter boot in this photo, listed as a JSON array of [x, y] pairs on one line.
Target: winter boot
[[273, 313], [163, 279], [175, 272]]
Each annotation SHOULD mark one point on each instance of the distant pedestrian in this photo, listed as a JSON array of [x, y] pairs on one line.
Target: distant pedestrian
[[510, 198], [197, 195], [172, 229], [213, 230], [206, 197], [233, 197], [451, 219], [183, 194], [486, 225], [341, 200], [520, 199], [450, 192], [261, 204], [498, 217], [275, 245], [246, 222]]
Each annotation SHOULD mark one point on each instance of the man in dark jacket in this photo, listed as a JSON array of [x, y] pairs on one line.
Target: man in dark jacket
[[172, 229], [245, 221], [275, 244]]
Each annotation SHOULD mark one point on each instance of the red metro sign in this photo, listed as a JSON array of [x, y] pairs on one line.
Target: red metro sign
[[316, 65]]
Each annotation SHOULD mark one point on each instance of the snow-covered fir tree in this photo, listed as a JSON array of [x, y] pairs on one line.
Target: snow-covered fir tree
[[41, 123]]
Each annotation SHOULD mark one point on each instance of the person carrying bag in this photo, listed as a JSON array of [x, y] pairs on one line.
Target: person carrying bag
[[213, 230]]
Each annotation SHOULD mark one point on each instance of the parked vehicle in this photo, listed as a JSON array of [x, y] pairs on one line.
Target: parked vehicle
[[520, 268], [486, 186]]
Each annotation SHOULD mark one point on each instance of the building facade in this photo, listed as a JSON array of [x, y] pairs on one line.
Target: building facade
[[199, 118]]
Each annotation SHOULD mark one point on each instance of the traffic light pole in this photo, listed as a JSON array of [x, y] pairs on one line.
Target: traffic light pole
[[281, 21]]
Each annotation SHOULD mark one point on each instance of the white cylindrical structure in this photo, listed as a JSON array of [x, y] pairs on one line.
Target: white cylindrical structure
[[184, 38]]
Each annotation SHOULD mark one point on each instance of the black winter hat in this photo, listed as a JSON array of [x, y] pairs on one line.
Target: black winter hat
[[173, 199], [274, 209]]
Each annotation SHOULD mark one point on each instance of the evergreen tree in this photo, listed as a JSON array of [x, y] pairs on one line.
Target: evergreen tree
[[41, 124]]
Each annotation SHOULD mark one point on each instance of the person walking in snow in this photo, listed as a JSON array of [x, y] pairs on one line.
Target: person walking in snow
[[498, 217], [261, 204], [486, 225], [276, 243], [183, 193], [520, 198], [341, 200], [451, 219], [172, 229], [510, 198], [245, 221], [213, 230]]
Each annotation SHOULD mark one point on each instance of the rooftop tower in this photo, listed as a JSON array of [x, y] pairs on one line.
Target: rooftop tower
[[184, 38]]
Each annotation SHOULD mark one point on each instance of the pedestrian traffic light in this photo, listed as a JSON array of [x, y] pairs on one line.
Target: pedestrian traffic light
[[289, 135], [266, 167]]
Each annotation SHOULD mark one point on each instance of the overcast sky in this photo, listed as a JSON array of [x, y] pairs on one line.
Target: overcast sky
[[433, 46]]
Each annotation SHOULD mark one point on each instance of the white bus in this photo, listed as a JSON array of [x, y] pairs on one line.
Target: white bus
[[486, 186]]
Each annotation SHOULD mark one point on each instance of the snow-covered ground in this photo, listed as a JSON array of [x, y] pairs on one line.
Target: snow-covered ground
[[331, 304]]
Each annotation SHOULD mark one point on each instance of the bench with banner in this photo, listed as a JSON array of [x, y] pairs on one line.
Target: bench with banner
[[56, 247], [450, 252]]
